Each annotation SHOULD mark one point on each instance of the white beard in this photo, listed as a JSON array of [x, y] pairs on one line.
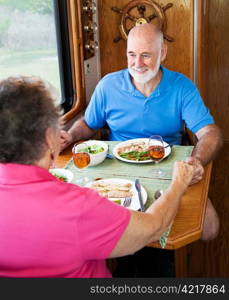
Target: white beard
[[148, 75]]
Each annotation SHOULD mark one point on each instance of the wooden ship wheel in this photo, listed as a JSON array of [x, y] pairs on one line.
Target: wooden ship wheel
[[139, 12]]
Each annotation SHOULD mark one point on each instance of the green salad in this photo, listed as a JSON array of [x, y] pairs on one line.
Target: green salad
[[60, 177], [93, 149], [118, 201]]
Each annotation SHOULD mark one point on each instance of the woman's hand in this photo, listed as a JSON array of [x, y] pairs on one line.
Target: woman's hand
[[182, 173], [198, 169], [65, 139]]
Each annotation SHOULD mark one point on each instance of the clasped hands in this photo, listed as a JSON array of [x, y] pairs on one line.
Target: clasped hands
[[198, 169]]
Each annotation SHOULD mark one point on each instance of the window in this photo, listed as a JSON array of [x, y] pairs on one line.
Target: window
[[28, 40], [35, 40]]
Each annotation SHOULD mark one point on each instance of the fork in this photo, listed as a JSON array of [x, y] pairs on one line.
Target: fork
[[127, 201]]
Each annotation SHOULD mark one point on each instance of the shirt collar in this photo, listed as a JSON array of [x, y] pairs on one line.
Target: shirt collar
[[11, 174], [165, 83], [127, 84]]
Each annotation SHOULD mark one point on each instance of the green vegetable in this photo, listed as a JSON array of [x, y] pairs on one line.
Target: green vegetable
[[118, 201], [94, 149], [136, 155], [60, 177]]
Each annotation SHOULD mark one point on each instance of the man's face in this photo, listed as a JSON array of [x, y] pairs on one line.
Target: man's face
[[144, 59]]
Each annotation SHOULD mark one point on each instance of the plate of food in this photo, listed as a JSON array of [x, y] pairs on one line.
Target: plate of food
[[62, 174], [136, 151], [117, 189]]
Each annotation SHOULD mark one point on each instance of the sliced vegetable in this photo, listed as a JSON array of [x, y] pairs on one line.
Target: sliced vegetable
[[93, 149]]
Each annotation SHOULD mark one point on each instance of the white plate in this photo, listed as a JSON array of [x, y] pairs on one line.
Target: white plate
[[115, 151], [135, 205], [62, 172]]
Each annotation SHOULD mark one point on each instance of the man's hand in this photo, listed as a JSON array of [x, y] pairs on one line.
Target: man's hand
[[198, 169], [183, 173], [65, 139]]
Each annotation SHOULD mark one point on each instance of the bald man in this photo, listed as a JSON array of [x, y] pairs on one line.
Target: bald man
[[147, 99]]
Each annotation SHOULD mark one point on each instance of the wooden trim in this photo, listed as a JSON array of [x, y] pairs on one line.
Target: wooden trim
[[201, 45], [191, 61], [76, 45]]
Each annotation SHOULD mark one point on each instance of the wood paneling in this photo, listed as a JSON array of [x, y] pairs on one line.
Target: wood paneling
[[181, 262], [216, 253], [217, 66], [179, 26], [211, 259], [213, 77], [113, 55]]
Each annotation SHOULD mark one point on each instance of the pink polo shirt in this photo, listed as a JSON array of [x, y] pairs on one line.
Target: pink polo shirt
[[50, 228]]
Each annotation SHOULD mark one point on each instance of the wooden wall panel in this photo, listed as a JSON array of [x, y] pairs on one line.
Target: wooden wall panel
[[213, 80], [180, 24], [217, 57], [211, 259], [216, 253], [112, 55]]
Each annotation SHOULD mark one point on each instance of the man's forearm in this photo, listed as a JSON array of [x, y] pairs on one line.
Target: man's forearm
[[208, 145]]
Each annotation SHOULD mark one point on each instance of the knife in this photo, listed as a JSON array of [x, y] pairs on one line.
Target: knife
[[138, 188]]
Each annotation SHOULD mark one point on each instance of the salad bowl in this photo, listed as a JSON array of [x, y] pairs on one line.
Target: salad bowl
[[97, 150]]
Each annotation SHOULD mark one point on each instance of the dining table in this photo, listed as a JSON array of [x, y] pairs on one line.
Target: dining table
[[188, 223]]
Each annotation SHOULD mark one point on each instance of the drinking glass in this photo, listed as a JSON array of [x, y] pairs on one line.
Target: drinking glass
[[81, 160], [157, 153]]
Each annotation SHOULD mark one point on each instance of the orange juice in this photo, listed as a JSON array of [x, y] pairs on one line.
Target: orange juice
[[156, 152], [81, 159]]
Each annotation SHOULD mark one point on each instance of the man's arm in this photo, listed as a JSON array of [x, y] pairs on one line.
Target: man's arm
[[209, 143], [145, 228], [78, 131]]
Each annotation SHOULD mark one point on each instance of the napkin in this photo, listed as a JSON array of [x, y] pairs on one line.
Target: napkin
[[164, 237]]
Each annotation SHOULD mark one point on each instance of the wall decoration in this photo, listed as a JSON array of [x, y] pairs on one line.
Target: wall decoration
[[138, 12]]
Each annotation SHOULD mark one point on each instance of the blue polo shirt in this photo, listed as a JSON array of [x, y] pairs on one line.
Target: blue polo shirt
[[129, 114]]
